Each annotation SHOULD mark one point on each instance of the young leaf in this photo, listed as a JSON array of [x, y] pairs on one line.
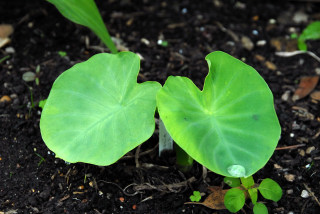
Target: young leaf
[[232, 182], [247, 182], [230, 127], [270, 189], [196, 197], [260, 208], [253, 195], [234, 200], [96, 111], [312, 31], [86, 13]]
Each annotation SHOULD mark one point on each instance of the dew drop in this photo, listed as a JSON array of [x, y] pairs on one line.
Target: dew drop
[[237, 171]]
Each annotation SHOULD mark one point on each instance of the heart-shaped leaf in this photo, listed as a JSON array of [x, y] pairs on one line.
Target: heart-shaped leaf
[[231, 126], [96, 111]]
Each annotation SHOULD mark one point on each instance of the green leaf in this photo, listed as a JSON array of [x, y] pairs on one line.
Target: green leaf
[[96, 111], [196, 197], [260, 208], [247, 182], [62, 53], [234, 200], [86, 13], [311, 32], [253, 195], [232, 182], [230, 127], [270, 189], [42, 103]]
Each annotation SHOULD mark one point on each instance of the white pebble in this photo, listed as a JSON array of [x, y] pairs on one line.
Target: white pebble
[[184, 10], [291, 135], [10, 50], [305, 194], [261, 43]]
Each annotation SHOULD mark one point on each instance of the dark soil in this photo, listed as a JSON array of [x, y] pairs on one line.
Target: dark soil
[[30, 185]]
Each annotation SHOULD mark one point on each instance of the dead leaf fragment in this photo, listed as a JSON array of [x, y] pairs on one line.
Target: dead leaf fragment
[[315, 95], [215, 200], [5, 30], [306, 85]]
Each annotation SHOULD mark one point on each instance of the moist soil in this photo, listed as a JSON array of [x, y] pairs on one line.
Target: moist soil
[[32, 180]]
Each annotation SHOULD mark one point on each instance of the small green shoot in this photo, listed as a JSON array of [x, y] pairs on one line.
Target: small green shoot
[[196, 197], [41, 159], [62, 53], [311, 32], [37, 75], [4, 58], [235, 198]]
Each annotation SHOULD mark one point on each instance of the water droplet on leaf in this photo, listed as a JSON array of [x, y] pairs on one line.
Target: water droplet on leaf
[[237, 171]]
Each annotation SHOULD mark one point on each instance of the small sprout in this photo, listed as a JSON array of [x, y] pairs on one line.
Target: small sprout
[[62, 53], [41, 159], [163, 43], [42, 103], [196, 197], [311, 32]]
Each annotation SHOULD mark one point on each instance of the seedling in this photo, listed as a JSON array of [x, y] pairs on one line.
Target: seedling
[[235, 198], [311, 32], [196, 197], [96, 112], [41, 159], [42, 103], [62, 53], [86, 13]]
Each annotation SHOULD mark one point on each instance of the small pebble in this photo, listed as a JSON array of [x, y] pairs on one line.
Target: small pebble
[[289, 191], [305, 194], [285, 96], [310, 149], [261, 43], [290, 212], [309, 160], [145, 41], [291, 135], [255, 32], [272, 21], [247, 43], [184, 11], [317, 70], [5, 98], [290, 177], [302, 153], [10, 50]]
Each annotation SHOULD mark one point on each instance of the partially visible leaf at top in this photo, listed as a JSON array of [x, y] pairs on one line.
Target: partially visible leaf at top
[[86, 13], [247, 182], [311, 32], [231, 126], [96, 111], [270, 189], [232, 182]]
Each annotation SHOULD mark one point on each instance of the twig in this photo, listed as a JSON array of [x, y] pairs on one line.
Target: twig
[[291, 147], [136, 156], [290, 54], [164, 187], [312, 194], [123, 190], [229, 32], [141, 154]]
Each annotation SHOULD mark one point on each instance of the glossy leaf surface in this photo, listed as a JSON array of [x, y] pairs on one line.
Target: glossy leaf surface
[[234, 200], [96, 111], [231, 126], [232, 182], [270, 189], [311, 32], [86, 13], [260, 208]]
